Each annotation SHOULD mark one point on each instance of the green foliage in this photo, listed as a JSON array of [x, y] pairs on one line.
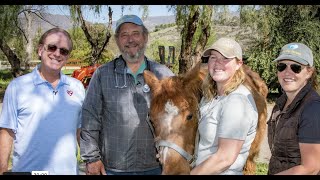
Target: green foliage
[[18, 46], [194, 22], [36, 43], [275, 26], [9, 20], [152, 52], [97, 33], [163, 26], [67, 71], [9, 31], [145, 11], [5, 78], [107, 56], [81, 47], [262, 169], [78, 155], [212, 38]]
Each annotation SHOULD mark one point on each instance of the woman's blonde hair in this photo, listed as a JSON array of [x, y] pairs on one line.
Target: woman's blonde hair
[[209, 86]]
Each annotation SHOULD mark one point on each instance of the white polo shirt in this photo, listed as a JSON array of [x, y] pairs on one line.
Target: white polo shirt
[[44, 121]]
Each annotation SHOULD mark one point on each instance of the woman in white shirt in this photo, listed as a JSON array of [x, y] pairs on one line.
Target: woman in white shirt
[[229, 114]]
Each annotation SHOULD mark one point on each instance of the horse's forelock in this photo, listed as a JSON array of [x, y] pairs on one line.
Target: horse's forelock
[[170, 108]]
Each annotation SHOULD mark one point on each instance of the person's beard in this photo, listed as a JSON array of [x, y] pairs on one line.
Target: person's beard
[[133, 58]]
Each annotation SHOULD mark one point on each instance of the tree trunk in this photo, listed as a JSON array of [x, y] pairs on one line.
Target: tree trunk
[[96, 50], [190, 54], [205, 25], [29, 48], [187, 34], [12, 58]]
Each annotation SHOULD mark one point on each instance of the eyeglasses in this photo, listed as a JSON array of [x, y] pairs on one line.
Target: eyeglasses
[[52, 48], [296, 68]]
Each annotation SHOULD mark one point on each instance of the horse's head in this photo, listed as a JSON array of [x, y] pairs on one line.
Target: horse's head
[[174, 116]]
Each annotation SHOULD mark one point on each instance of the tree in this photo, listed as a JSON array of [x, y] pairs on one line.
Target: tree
[[30, 12], [195, 24], [81, 47], [14, 35], [9, 23], [275, 26], [97, 43]]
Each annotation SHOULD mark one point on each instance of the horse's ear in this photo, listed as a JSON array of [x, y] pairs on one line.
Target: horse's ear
[[152, 80]]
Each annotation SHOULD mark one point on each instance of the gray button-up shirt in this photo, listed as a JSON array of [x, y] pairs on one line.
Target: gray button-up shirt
[[114, 127]]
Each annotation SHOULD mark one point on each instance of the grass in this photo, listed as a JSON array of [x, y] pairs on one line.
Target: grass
[[262, 169], [78, 156], [67, 71], [5, 78]]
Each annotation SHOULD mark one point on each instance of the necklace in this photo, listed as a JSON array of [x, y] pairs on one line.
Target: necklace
[[217, 97]]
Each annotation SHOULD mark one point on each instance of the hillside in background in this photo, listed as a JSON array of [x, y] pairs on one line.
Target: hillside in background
[[61, 21], [65, 22], [166, 36], [169, 36]]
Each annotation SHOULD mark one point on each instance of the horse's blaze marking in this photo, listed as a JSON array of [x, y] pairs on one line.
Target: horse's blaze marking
[[171, 111]]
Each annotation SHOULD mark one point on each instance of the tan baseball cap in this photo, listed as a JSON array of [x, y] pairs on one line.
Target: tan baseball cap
[[228, 47]]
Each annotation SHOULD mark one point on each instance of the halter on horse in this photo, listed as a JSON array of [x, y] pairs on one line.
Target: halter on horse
[[174, 116]]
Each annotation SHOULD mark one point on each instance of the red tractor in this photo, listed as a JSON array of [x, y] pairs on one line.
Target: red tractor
[[85, 73]]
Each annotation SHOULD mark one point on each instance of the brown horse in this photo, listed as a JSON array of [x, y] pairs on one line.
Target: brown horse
[[174, 115]]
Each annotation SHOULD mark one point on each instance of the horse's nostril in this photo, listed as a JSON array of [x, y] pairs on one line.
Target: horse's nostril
[[189, 117]]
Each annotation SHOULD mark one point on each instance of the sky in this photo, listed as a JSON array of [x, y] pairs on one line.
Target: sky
[[154, 10]]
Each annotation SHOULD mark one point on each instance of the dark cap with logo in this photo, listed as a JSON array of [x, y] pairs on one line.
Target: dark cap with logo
[[297, 52]]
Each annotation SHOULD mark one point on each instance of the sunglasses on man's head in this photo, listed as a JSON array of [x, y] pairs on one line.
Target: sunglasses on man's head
[[296, 68], [52, 48]]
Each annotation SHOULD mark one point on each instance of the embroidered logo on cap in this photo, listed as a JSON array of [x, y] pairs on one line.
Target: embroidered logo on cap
[[70, 92], [293, 46]]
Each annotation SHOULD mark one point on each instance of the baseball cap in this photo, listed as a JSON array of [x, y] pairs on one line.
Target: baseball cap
[[129, 19], [228, 47], [297, 52]]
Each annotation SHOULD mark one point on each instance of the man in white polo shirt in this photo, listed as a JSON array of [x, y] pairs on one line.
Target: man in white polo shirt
[[41, 113]]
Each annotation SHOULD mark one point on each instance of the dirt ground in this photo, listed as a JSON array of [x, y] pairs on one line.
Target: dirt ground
[[264, 155]]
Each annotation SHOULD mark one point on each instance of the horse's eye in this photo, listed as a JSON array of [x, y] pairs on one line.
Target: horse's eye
[[189, 117]]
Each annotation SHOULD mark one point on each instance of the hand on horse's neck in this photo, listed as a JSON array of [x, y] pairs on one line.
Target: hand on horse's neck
[[52, 77]]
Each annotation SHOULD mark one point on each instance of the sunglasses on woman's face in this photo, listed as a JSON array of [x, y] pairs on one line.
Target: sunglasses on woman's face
[[52, 48], [296, 68]]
